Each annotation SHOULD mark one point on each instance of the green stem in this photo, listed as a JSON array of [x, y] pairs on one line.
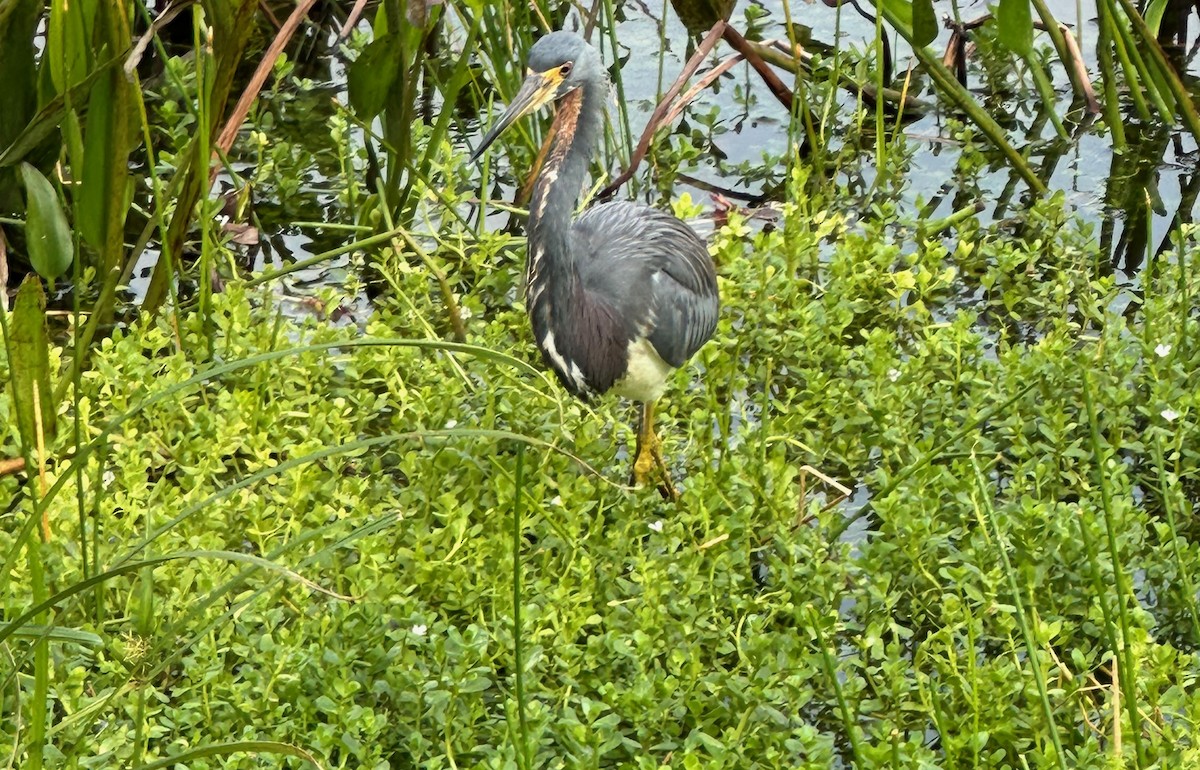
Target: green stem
[[41, 657], [1108, 79], [1060, 45], [1046, 93], [962, 99], [830, 666], [1031, 647], [1181, 562], [1106, 15], [1121, 580], [518, 644], [1183, 99]]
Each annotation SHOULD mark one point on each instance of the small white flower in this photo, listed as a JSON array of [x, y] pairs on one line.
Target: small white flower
[[451, 424], [1170, 415], [419, 629], [556, 500], [656, 526], [1162, 350], [108, 478], [893, 374]]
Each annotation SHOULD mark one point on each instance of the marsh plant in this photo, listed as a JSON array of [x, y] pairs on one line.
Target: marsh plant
[[938, 476]]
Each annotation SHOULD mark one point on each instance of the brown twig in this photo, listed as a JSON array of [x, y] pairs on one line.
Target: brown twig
[[11, 465], [1089, 95], [656, 119], [162, 20], [254, 87], [742, 46], [782, 55], [3, 271], [266, 9], [352, 19], [1072, 45], [704, 82], [527, 188], [718, 190]]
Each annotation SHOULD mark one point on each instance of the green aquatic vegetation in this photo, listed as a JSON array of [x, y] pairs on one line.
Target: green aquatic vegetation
[[1012, 584]]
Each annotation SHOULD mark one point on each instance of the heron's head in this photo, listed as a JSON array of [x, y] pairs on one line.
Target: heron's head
[[559, 63]]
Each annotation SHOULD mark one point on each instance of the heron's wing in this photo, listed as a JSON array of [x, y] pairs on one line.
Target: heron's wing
[[654, 270]]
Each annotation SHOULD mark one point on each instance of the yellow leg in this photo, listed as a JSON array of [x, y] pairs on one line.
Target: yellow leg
[[649, 455]]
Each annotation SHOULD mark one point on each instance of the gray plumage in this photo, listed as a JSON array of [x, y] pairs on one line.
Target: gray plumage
[[621, 272], [655, 270], [624, 294]]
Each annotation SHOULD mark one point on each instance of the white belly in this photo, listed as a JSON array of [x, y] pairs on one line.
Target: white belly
[[646, 376]]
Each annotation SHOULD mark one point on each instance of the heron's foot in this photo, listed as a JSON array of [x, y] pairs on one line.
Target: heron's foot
[[649, 466]]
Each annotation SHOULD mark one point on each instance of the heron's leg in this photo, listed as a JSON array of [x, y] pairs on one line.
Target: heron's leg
[[649, 455], [643, 458]]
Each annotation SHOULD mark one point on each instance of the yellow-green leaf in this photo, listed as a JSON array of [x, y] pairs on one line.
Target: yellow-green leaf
[[29, 349], [1014, 25], [47, 234]]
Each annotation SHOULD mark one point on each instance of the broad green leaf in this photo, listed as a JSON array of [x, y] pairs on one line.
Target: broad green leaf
[[18, 24], [898, 13], [68, 52], [47, 234], [1014, 25], [1154, 14], [45, 123], [372, 74], [29, 347], [92, 200], [924, 22]]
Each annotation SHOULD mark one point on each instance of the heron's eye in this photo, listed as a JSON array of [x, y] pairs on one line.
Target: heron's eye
[[565, 69]]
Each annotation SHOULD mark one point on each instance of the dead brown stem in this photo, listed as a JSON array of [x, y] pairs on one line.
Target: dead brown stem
[[664, 104], [742, 46], [254, 87]]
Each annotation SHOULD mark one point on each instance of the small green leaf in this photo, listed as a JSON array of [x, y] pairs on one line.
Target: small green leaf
[[1014, 24], [372, 75], [47, 233], [475, 684], [925, 24]]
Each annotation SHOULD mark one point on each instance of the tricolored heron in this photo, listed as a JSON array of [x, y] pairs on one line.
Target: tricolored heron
[[624, 294]]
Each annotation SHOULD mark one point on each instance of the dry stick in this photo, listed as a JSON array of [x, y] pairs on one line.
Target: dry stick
[[3, 272], [742, 46], [727, 192], [266, 9], [782, 55], [655, 121], [682, 102], [958, 50], [11, 465], [352, 19], [526, 190], [1072, 46], [242, 109], [163, 19]]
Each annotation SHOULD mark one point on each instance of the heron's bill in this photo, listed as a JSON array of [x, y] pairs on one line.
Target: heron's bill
[[537, 91]]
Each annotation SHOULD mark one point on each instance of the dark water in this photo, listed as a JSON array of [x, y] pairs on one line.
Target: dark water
[[1127, 199], [1131, 201]]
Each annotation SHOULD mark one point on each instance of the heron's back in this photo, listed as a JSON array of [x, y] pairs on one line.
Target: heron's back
[[654, 270]]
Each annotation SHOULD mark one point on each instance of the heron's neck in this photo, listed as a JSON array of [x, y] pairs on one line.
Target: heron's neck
[[577, 126]]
